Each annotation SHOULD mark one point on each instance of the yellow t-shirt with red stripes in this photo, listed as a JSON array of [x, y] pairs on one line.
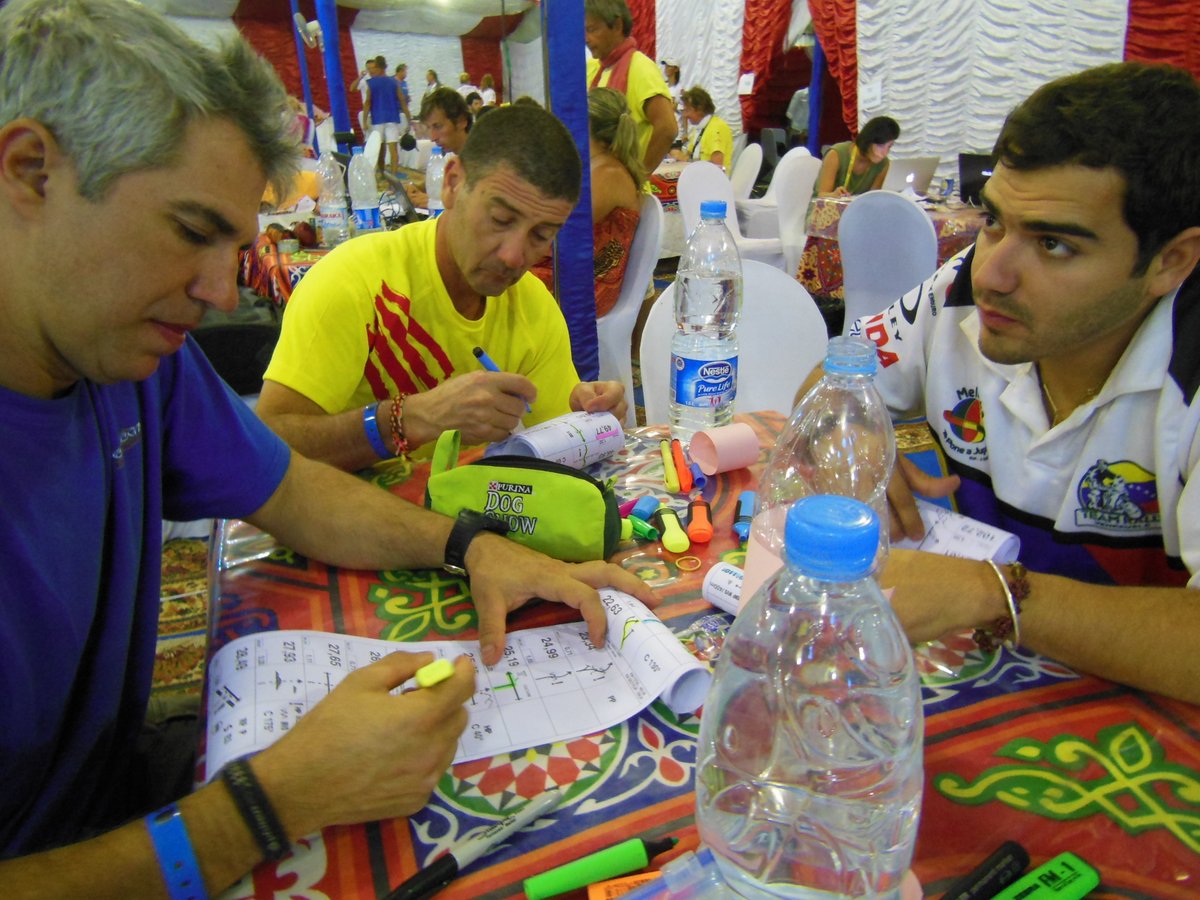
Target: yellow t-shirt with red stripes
[[373, 319]]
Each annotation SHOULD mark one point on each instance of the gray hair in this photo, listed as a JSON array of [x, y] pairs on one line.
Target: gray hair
[[610, 12], [118, 85]]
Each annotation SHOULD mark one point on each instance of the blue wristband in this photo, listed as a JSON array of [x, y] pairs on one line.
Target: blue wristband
[[371, 427], [175, 855]]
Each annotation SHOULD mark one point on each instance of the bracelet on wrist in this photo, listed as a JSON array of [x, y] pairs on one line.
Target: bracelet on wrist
[[255, 809], [374, 435], [399, 441], [176, 858], [1007, 628]]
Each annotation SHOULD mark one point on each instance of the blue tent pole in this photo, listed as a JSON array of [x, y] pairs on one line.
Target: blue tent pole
[[814, 98], [566, 88], [305, 87], [327, 16]]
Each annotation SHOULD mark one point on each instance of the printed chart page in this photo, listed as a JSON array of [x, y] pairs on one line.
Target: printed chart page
[[952, 534], [575, 439], [551, 684]]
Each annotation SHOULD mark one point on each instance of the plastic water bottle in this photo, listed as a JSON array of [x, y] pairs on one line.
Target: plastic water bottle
[[334, 220], [434, 171], [809, 760], [704, 350], [838, 441], [364, 194]]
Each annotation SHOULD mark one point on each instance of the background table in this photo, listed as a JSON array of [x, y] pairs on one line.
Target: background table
[[272, 274], [1016, 745], [821, 264], [663, 184]]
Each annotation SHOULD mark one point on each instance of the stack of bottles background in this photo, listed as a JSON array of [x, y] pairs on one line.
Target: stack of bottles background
[[334, 219], [364, 193], [809, 759], [434, 171], [704, 349], [839, 440]]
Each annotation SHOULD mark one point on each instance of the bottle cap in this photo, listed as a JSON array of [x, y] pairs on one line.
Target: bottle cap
[[435, 150], [852, 356], [832, 538], [712, 209], [356, 151]]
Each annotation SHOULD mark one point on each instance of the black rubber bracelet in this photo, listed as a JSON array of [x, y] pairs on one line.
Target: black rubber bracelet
[[255, 809]]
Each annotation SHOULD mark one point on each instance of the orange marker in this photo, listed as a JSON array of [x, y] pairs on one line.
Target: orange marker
[[700, 528], [682, 469]]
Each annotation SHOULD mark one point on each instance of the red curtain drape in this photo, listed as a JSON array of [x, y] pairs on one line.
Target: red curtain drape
[[267, 26], [1165, 31], [481, 49], [777, 73], [836, 25], [645, 26]]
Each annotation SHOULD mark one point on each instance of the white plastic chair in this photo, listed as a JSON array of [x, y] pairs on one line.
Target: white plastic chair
[[759, 217], [702, 181], [615, 330], [888, 247], [795, 178], [781, 338], [744, 173], [325, 136]]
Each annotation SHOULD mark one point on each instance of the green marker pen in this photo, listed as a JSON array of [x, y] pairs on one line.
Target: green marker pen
[[643, 530], [1066, 877], [625, 857]]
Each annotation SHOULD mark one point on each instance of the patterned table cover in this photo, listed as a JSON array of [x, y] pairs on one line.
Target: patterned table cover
[[272, 274], [821, 263], [1017, 747]]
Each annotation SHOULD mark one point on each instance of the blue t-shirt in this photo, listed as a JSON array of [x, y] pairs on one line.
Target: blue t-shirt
[[385, 99], [85, 481]]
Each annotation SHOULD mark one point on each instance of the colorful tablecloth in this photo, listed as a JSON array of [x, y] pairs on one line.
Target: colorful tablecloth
[[272, 274], [821, 264], [1017, 747]]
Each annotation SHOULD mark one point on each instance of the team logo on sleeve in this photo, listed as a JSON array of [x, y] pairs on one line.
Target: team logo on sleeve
[[1119, 495], [965, 433]]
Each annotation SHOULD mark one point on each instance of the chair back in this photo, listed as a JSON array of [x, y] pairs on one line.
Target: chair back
[[772, 139], [795, 178], [745, 171], [700, 181], [791, 154], [888, 247], [781, 338], [615, 330]]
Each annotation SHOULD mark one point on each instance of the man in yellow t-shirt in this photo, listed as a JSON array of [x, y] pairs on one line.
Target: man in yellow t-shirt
[[711, 139], [376, 352], [617, 63]]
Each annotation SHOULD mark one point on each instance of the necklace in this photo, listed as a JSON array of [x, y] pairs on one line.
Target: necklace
[[1055, 418]]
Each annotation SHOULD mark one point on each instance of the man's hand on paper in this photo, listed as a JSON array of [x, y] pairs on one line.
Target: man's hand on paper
[[505, 575], [935, 595], [483, 406], [362, 753], [907, 479], [600, 396]]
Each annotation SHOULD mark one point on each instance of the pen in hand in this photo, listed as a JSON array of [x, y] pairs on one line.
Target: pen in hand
[[488, 363]]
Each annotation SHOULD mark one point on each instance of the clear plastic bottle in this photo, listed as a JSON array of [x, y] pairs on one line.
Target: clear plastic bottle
[[838, 441], [334, 219], [704, 350], [809, 760], [434, 170], [364, 193]]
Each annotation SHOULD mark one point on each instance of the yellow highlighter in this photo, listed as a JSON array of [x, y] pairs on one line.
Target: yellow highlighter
[[670, 476], [674, 538], [434, 673]]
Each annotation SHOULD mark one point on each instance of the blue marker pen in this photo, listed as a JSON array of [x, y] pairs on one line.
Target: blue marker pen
[[745, 512], [488, 363]]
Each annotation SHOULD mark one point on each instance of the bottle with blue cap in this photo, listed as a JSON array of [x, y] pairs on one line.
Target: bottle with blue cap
[[704, 350], [839, 440], [809, 760]]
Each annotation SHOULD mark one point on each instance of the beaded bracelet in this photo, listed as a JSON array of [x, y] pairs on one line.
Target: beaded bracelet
[[1006, 629], [176, 858], [399, 441], [256, 810], [374, 435]]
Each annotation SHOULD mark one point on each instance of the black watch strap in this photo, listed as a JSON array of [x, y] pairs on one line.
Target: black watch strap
[[468, 524]]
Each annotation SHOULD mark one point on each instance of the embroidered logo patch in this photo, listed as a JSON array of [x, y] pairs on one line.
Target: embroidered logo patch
[[1120, 495]]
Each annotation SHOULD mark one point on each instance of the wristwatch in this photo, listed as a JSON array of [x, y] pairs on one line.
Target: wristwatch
[[468, 524]]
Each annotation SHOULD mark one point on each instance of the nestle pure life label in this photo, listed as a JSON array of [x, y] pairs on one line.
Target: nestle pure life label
[[704, 382]]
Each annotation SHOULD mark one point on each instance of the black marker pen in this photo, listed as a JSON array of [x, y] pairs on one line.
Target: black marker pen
[[992, 875]]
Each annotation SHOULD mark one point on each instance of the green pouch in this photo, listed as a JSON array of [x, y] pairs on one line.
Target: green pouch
[[550, 507]]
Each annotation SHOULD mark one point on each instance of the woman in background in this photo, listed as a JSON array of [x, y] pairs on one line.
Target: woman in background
[[858, 166], [617, 179], [709, 138], [487, 89]]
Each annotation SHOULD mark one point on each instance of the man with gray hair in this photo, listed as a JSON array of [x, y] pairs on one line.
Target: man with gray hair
[[383, 329], [111, 419]]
